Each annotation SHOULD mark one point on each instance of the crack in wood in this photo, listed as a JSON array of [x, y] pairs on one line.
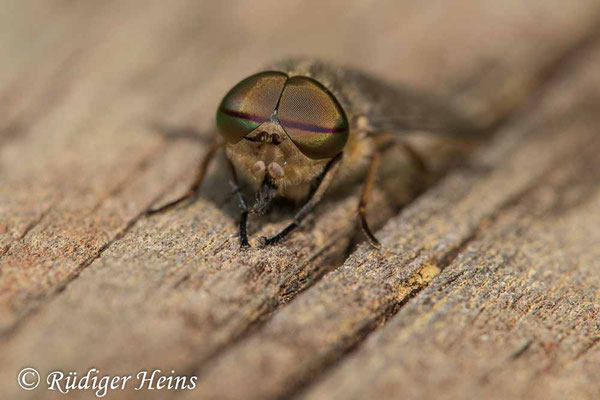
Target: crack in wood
[[37, 302], [416, 283], [26, 231]]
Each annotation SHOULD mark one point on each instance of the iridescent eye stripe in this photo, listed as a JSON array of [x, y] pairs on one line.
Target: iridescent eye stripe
[[285, 123], [309, 127], [237, 114]]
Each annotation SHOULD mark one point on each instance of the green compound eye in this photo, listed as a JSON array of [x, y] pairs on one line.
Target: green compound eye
[[250, 103], [313, 118]]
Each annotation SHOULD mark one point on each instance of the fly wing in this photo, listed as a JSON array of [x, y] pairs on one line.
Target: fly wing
[[396, 109], [387, 107]]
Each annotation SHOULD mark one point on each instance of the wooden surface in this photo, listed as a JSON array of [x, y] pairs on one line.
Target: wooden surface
[[488, 284]]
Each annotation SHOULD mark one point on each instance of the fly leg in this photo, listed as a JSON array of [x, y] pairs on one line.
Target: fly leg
[[386, 141], [324, 183], [415, 157], [237, 192], [195, 186], [364, 199]]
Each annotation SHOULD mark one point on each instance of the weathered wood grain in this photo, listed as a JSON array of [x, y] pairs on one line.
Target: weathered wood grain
[[515, 316], [85, 281]]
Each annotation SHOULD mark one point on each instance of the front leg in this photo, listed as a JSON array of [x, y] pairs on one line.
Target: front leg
[[237, 192], [197, 182], [325, 181]]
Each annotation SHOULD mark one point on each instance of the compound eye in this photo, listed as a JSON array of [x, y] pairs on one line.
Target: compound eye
[[312, 118], [250, 103]]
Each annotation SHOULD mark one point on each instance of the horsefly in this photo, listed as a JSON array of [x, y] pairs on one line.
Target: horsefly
[[293, 129]]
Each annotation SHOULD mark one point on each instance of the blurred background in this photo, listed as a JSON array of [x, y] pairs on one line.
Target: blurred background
[[75, 72]]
